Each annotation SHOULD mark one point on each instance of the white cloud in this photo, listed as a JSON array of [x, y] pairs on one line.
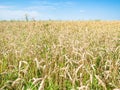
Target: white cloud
[[41, 7], [5, 7], [69, 3], [12, 12], [82, 11], [17, 14]]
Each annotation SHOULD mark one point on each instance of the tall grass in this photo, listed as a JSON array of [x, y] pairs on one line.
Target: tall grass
[[60, 55]]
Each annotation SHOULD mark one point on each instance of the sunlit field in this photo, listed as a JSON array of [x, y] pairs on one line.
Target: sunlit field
[[60, 55]]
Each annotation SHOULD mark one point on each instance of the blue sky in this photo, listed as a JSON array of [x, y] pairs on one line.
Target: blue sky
[[60, 9]]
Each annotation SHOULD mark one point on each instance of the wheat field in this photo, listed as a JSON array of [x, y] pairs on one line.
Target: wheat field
[[60, 55]]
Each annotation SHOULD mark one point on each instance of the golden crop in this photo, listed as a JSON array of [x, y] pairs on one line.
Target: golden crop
[[60, 55]]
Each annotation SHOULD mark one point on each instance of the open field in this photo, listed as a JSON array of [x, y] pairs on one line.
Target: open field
[[60, 55]]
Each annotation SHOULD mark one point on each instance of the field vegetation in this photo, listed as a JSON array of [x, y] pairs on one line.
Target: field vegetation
[[60, 55]]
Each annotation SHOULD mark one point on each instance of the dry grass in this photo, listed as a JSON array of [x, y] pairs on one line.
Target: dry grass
[[60, 55]]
